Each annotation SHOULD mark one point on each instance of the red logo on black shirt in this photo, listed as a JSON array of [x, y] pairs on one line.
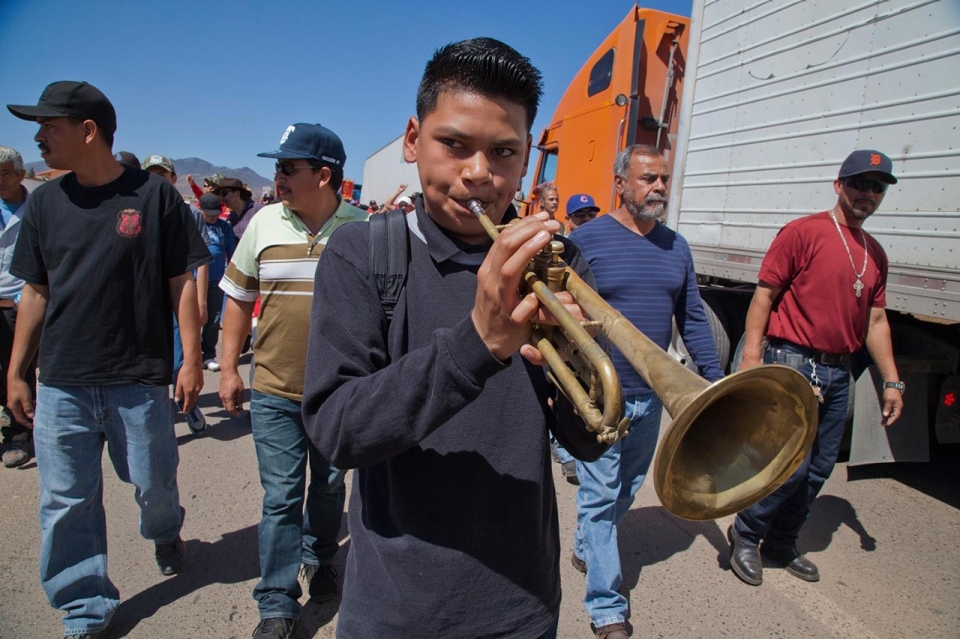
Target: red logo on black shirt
[[130, 223]]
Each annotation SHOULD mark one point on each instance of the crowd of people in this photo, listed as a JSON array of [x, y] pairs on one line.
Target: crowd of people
[[453, 533]]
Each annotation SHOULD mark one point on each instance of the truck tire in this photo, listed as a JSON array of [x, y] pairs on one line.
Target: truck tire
[[720, 339]]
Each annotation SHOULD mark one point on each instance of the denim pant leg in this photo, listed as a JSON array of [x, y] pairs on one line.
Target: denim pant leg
[[607, 489], [326, 494], [792, 514], [177, 351], [282, 451], [779, 516], [210, 332], [73, 533], [563, 455], [142, 445]]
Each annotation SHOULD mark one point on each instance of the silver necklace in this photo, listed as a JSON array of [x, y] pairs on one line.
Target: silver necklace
[[858, 285]]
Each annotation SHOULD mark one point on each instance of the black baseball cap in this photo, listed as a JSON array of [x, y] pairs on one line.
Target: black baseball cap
[[210, 203], [867, 161], [127, 159], [70, 99], [309, 142]]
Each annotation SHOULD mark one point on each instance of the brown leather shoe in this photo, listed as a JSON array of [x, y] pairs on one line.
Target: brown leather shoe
[[613, 631]]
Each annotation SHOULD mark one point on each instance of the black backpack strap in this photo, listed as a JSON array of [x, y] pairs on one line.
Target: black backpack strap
[[389, 256]]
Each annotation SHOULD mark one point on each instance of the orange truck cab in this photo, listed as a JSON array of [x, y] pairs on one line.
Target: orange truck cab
[[628, 92]]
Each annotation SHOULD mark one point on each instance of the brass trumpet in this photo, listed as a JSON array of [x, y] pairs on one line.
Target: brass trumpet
[[730, 444]]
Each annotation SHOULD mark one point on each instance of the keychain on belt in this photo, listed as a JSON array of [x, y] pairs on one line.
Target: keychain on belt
[[815, 382]]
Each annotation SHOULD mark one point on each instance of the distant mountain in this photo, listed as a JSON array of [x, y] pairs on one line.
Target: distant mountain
[[199, 169]]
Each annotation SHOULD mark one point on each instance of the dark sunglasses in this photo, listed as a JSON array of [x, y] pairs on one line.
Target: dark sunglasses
[[289, 169], [589, 214], [225, 192], [865, 184]]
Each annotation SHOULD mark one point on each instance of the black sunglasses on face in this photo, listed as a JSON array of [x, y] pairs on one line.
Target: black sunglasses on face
[[225, 192], [588, 214], [865, 184], [289, 168]]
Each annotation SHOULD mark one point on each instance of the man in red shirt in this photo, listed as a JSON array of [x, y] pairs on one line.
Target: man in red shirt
[[820, 298]]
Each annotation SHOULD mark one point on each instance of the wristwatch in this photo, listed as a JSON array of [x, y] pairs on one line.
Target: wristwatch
[[900, 386]]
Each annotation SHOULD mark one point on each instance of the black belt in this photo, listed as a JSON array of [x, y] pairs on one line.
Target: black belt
[[827, 359]]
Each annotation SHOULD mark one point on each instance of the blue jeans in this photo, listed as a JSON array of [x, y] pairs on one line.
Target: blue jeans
[[607, 489], [290, 534], [210, 332], [177, 351], [70, 427], [777, 518]]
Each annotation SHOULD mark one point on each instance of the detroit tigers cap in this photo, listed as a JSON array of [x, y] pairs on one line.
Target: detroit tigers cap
[[70, 99], [579, 202], [310, 142], [867, 161]]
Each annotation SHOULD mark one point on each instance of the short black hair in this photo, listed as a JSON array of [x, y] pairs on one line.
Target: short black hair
[[483, 66]]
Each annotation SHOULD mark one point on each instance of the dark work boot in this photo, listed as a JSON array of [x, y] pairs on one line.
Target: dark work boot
[[795, 563], [745, 559]]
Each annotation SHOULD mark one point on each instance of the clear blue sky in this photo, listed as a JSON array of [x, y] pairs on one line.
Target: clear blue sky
[[222, 80]]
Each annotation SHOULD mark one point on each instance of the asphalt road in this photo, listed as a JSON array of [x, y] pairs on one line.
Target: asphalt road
[[885, 539]]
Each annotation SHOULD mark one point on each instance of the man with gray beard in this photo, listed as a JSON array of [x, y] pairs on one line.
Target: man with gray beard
[[645, 271]]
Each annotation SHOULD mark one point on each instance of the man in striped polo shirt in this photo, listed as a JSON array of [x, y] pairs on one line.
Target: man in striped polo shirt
[[645, 271], [276, 260]]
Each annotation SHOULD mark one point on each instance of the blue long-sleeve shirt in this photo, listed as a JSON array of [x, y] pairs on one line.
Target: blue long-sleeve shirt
[[650, 279]]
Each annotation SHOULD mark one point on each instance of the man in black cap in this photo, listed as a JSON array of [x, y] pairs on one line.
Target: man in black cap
[[239, 200], [820, 297], [106, 252], [276, 261]]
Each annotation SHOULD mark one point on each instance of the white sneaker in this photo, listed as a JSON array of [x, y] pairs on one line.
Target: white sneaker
[[196, 421], [211, 365]]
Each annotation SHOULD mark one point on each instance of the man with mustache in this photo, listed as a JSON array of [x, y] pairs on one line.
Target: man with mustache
[[820, 297], [107, 253], [645, 271]]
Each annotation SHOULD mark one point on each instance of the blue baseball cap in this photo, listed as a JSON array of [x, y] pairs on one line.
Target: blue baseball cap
[[867, 161], [579, 202], [309, 142]]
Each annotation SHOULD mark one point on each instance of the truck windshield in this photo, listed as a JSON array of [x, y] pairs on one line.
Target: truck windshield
[[548, 168]]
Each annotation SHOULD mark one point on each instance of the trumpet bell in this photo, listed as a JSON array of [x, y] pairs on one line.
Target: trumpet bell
[[735, 442]]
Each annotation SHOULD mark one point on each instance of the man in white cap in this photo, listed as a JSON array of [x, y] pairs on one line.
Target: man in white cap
[[276, 260]]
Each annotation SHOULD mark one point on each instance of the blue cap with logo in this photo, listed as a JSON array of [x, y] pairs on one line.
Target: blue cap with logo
[[579, 202], [867, 161], [309, 142]]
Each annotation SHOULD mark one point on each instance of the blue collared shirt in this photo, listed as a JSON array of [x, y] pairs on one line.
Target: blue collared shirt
[[10, 286]]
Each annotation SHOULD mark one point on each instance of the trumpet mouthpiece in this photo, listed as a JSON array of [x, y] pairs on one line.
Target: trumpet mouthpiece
[[475, 207]]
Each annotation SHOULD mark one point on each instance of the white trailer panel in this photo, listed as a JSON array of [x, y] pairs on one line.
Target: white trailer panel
[[385, 170], [783, 91]]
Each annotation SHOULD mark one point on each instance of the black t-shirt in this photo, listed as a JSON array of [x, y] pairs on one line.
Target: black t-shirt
[[107, 254]]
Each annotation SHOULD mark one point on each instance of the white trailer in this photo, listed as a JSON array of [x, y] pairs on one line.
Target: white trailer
[[385, 170], [776, 93]]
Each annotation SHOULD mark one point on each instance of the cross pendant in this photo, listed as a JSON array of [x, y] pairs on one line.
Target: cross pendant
[[858, 286]]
